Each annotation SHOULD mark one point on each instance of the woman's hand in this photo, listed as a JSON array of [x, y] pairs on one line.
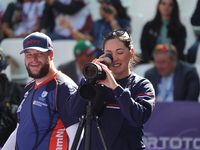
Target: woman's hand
[[110, 80]]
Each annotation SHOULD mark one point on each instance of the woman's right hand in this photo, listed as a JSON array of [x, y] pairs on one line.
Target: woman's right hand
[[110, 80]]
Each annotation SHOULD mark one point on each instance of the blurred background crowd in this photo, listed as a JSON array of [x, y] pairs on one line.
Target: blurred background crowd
[[149, 22], [165, 34]]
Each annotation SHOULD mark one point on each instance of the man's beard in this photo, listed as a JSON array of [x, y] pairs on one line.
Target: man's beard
[[42, 73]]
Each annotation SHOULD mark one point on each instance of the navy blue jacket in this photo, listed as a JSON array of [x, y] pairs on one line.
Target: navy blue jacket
[[124, 112], [42, 114]]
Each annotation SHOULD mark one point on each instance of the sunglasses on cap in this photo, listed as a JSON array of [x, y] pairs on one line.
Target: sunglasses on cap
[[161, 47], [119, 32], [164, 48]]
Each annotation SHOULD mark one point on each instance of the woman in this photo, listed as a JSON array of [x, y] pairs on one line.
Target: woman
[[166, 27], [128, 103], [114, 16]]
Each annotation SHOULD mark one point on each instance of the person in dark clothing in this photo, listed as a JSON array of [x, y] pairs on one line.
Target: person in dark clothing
[[9, 101], [166, 27], [113, 16], [173, 79], [76, 11], [128, 99], [195, 21], [21, 18]]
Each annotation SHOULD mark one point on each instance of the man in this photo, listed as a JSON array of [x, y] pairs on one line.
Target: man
[[173, 80], [84, 52], [42, 117]]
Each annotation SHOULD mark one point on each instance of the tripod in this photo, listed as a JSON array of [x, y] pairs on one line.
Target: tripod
[[87, 119]]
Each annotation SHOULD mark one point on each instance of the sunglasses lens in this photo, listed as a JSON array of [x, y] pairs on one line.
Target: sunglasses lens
[[107, 34], [119, 32]]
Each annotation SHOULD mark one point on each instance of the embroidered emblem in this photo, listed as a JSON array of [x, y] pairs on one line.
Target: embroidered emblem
[[44, 93]]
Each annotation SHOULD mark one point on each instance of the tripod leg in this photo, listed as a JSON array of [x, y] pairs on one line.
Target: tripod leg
[[78, 133], [103, 139], [88, 129]]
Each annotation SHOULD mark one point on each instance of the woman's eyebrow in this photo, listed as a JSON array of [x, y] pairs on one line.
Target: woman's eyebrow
[[119, 49], [107, 50], [116, 49]]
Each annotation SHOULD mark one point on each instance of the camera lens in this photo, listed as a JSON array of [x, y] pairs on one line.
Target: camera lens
[[90, 70], [93, 71]]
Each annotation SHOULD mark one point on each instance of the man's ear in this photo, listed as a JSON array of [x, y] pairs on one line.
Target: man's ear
[[51, 55]]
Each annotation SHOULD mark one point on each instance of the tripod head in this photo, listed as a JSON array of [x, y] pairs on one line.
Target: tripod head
[[95, 94]]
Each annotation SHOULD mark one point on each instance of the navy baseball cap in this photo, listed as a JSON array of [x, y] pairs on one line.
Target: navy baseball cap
[[38, 41]]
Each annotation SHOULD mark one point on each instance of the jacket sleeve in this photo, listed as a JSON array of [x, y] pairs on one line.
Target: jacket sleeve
[[136, 103], [76, 106]]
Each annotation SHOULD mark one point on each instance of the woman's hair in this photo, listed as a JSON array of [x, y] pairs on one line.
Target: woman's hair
[[128, 42], [174, 23]]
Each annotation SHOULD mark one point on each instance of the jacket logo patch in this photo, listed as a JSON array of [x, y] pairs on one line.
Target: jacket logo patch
[[44, 93], [40, 104]]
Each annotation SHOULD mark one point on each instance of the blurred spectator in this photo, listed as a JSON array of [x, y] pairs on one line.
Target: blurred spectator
[[165, 27], [114, 16], [22, 18], [1, 18], [84, 52], [195, 21], [76, 11], [9, 101], [173, 79], [1, 11]]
